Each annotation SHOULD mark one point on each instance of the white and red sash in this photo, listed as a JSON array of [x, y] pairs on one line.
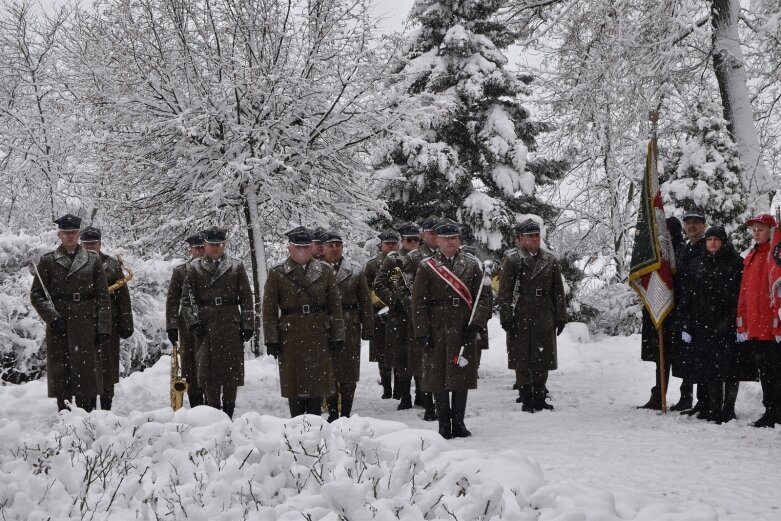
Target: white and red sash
[[451, 280]]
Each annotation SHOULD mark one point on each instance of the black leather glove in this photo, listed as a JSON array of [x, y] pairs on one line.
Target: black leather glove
[[472, 330], [198, 330], [173, 335], [125, 334], [102, 338], [560, 327], [246, 334], [424, 343], [509, 327], [58, 326], [273, 349], [337, 346]]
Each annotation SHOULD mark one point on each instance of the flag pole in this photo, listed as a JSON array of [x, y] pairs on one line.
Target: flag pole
[[653, 116]]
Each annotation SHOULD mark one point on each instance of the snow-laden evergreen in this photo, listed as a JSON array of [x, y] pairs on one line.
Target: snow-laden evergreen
[[467, 149], [704, 171]]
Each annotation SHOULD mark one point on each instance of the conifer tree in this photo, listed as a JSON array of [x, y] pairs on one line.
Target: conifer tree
[[704, 171], [466, 148]]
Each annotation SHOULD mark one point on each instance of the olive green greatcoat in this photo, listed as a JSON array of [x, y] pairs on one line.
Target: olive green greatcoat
[[435, 316], [121, 320], [536, 283], [409, 269], [175, 320], [73, 361], [219, 354], [305, 363], [396, 349], [358, 316], [377, 343]]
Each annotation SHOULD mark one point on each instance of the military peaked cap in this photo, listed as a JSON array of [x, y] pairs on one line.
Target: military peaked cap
[[694, 213], [317, 234], [195, 240], [527, 227], [447, 228], [389, 236], [89, 234], [429, 223], [300, 236], [409, 229], [68, 222], [331, 236], [214, 235]]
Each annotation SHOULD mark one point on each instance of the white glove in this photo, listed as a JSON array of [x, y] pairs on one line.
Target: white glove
[[742, 337], [686, 337], [778, 339]]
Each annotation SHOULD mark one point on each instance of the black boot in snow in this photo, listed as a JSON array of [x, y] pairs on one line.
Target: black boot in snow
[[540, 399], [333, 409], [428, 403], [442, 401], [654, 403], [526, 398], [730, 397], [767, 420], [684, 404], [459, 410]]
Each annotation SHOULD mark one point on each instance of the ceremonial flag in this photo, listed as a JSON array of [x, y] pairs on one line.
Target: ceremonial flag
[[653, 257]]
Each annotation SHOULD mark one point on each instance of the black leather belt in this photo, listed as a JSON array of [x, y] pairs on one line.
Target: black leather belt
[[306, 309], [349, 307], [451, 302], [219, 301], [73, 297]]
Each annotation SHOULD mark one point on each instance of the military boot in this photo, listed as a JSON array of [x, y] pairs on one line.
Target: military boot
[[526, 398], [106, 400], [428, 403], [347, 404], [297, 406], [333, 409], [654, 403], [459, 430], [314, 405], [685, 403], [540, 399], [405, 382], [385, 380], [767, 420], [396, 389], [442, 401], [730, 397], [228, 408], [715, 402]]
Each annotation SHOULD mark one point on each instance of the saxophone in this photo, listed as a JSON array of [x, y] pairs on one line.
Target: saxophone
[[178, 384], [124, 280]]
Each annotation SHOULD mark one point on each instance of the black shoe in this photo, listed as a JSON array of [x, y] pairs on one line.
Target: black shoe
[[727, 415], [332, 417], [654, 403], [430, 415], [767, 420], [405, 403], [526, 398], [684, 404], [697, 409], [386, 394]]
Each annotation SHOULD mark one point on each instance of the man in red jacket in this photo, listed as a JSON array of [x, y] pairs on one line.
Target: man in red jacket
[[757, 319]]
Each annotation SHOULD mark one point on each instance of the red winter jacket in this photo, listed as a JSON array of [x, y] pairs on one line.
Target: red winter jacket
[[755, 314]]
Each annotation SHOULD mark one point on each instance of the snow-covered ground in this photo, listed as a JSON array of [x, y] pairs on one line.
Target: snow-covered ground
[[596, 457]]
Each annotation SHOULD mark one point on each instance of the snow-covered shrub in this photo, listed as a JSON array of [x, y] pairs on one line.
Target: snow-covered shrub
[[618, 310]]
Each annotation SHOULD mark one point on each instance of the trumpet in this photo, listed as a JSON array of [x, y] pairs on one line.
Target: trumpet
[[178, 384], [124, 280]]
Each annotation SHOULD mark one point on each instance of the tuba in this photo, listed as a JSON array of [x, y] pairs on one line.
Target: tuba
[[178, 384], [121, 282]]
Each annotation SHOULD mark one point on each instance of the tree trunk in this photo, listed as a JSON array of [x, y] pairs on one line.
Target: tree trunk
[[258, 255], [730, 70]]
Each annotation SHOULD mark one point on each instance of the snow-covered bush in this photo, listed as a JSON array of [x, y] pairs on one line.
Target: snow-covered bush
[[618, 310]]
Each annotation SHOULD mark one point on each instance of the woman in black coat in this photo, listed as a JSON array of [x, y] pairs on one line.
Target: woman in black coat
[[710, 305]]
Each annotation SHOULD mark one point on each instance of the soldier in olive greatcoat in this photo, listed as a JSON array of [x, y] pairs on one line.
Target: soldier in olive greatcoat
[[70, 294], [218, 310], [176, 327], [121, 314], [428, 236], [532, 311], [387, 286], [449, 310], [303, 324], [389, 241], [358, 324]]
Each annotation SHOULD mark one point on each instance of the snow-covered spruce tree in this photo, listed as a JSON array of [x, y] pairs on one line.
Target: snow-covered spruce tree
[[466, 148], [704, 170]]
